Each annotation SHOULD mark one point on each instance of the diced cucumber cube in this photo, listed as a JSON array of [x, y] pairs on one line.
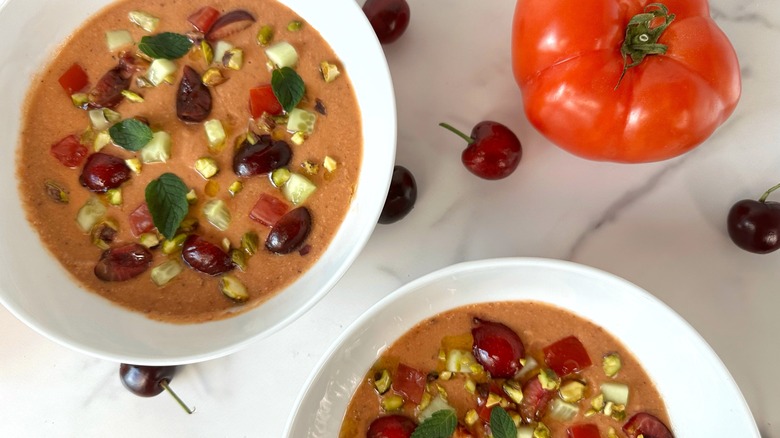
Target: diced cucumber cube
[[90, 213], [220, 48], [143, 20], [282, 54], [298, 188], [616, 393], [301, 121], [158, 150], [160, 71], [165, 272], [116, 39]]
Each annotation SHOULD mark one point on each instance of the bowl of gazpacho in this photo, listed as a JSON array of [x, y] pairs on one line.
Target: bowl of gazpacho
[[520, 347], [188, 176]]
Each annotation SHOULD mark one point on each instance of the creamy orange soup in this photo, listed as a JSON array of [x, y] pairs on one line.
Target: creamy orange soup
[[430, 349], [328, 157]]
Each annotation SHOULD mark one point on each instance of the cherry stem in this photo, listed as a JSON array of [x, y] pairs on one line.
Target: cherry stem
[[460, 134], [173, 394], [642, 38], [767, 193]]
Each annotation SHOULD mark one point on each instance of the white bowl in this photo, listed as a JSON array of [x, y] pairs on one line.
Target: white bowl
[[701, 397], [37, 290]]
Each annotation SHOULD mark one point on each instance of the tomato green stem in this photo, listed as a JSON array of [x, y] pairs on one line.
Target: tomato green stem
[[767, 193], [175, 396], [642, 38], [460, 134]]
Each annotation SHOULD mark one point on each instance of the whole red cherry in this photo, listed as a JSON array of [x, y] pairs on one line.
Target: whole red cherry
[[755, 225], [389, 18], [493, 150]]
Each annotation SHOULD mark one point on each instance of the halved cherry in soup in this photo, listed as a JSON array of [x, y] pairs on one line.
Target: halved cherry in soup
[[230, 23], [535, 400], [289, 232], [647, 426], [206, 257], [123, 263], [391, 426], [497, 348], [103, 171]]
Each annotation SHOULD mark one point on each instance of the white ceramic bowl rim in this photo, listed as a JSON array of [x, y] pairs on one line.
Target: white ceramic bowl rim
[[700, 395], [37, 290]]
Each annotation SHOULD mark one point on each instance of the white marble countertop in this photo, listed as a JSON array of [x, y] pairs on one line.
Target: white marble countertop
[[661, 226]]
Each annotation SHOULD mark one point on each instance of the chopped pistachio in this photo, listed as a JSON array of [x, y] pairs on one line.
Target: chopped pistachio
[[382, 381], [443, 392], [142, 82], [132, 96], [298, 138], [279, 133], [215, 133], [608, 408], [549, 379], [618, 412], [612, 433], [516, 418], [294, 26], [590, 412], [233, 59], [249, 242], [541, 431], [598, 402], [572, 391], [266, 123], [471, 386], [392, 402], [329, 71], [213, 77], [239, 258], [90, 213], [471, 417], [612, 364], [104, 232], [265, 35], [149, 240], [280, 176], [80, 100], [425, 401], [514, 390], [207, 51], [143, 20], [188, 225], [206, 167], [235, 188], [192, 197], [102, 139], [310, 168], [232, 288], [134, 164], [114, 196], [173, 245], [329, 164], [493, 399], [445, 375], [56, 192]]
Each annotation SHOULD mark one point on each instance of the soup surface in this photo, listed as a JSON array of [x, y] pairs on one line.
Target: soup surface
[[552, 372], [94, 213]]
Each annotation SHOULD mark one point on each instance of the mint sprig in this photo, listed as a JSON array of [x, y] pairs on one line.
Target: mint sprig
[[288, 87], [166, 45], [501, 424], [166, 198], [441, 424], [130, 134]]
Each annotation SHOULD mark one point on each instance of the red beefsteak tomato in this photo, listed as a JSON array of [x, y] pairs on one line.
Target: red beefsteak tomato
[[624, 80]]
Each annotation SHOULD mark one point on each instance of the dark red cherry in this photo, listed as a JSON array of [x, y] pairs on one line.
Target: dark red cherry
[[497, 348], [391, 426], [755, 225], [493, 150], [261, 157], [647, 426], [389, 18], [148, 381], [108, 91], [103, 171], [229, 23], [401, 196], [123, 263], [206, 257], [289, 232], [193, 100]]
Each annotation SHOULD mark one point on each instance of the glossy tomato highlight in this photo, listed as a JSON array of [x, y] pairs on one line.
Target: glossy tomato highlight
[[569, 63]]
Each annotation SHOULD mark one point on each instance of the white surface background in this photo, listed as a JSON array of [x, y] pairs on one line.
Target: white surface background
[[661, 226]]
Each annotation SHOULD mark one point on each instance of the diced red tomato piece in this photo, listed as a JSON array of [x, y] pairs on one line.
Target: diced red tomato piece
[[263, 100], [268, 210], [409, 382], [484, 412], [535, 400], [204, 18], [566, 356], [69, 151], [141, 220], [585, 430], [74, 79]]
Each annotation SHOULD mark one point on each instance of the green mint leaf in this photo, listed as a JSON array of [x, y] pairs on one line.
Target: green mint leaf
[[130, 134], [288, 87], [166, 198], [441, 424], [166, 45], [501, 424]]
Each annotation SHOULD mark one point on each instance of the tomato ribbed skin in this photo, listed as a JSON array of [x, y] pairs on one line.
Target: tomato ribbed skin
[[567, 61]]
